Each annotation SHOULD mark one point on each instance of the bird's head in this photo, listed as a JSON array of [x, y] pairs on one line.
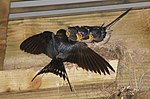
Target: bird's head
[[61, 35], [72, 32]]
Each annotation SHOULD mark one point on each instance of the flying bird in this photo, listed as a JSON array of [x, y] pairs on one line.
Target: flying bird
[[60, 49], [92, 33]]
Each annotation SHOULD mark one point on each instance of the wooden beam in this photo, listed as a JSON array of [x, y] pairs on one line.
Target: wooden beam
[[36, 3], [32, 6], [20, 80], [18, 8], [20, 0], [133, 1], [73, 11], [86, 0], [86, 91], [4, 10], [81, 93]]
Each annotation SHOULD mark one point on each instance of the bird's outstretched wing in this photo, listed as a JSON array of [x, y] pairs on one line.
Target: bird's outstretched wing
[[87, 59], [37, 44]]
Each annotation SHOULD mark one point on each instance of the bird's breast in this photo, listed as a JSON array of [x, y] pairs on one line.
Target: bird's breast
[[65, 48]]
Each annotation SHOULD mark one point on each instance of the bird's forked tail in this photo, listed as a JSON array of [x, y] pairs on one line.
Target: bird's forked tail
[[117, 19], [57, 67]]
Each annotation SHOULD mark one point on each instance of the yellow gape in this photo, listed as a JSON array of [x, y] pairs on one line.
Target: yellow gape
[[79, 37], [90, 37], [67, 33]]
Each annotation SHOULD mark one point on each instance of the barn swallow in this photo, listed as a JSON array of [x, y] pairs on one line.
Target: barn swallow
[[99, 33], [78, 33], [93, 33], [72, 33], [60, 49], [83, 33]]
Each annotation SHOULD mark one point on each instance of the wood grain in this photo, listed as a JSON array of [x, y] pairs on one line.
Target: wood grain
[[4, 10], [20, 79], [63, 6]]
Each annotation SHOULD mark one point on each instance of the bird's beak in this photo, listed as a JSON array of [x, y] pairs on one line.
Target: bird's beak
[[90, 37], [79, 37], [67, 33]]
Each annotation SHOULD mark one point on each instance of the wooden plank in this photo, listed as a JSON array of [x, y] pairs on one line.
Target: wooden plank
[[55, 6], [91, 0], [21, 0], [48, 2], [74, 11], [86, 91], [20, 80], [133, 1], [4, 10], [66, 94]]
